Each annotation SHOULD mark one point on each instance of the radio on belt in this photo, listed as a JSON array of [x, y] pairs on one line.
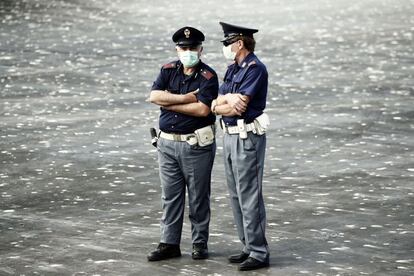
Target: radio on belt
[[242, 129]]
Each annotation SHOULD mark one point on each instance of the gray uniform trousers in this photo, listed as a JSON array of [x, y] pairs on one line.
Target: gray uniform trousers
[[182, 165], [244, 162]]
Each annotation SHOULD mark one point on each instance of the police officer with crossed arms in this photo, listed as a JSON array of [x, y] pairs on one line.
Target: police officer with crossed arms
[[184, 90], [241, 102]]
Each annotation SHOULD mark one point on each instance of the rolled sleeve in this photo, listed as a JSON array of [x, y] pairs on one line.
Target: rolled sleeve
[[208, 91], [255, 79], [223, 89], [161, 82]]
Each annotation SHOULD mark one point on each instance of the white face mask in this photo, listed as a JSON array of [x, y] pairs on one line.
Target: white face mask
[[188, 58], [228, 54]]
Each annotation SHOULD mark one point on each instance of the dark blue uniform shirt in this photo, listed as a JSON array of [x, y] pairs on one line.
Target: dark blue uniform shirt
[[250, 78], [173, 79]]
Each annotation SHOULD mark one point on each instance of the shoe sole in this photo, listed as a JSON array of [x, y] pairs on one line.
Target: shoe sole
[[162, 259], [236, 261], [199, 257], [253, 268]]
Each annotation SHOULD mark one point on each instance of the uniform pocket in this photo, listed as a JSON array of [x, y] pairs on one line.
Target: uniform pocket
[[250, 142], [238, 80]]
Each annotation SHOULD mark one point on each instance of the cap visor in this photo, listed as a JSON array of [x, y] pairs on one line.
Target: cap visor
[[188, 43]]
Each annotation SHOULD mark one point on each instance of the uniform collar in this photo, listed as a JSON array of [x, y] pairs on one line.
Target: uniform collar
[[194, 74], [246, 60]]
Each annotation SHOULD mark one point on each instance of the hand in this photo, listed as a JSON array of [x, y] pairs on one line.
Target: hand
[[238, 102]]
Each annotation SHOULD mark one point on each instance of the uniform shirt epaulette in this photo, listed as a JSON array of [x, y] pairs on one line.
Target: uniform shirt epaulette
[[206, 74], [169, 65], [252, 63]]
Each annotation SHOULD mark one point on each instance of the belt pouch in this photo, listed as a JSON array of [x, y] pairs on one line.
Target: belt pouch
[[205, 136], [261, 123]]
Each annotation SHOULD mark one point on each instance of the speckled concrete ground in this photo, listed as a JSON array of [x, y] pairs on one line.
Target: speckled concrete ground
[[79, 184]]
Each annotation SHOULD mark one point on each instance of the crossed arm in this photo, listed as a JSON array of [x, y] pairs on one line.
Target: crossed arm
[[231, 104], [186, 104]]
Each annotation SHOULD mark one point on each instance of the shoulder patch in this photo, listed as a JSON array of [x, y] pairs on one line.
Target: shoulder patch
[[169, 65], [206, 74], [252, 63]]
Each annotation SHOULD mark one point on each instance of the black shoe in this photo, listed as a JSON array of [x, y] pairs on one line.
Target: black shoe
[[164, 251], [238, 258], [200, 251], [252, 263]]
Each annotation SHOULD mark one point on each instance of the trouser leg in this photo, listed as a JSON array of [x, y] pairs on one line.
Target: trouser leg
[[247, 157], [197, 164], [250, 163], [232, 184], [173, 193]]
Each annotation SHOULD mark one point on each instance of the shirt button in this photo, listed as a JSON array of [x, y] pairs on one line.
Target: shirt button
[[175, 116], [172, 126]]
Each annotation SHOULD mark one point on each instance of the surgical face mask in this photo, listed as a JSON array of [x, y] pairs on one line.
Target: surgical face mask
[[188, 58], [228, 53]]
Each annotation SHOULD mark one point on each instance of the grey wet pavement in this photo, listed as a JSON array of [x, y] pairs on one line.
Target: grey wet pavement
[[79, 183]]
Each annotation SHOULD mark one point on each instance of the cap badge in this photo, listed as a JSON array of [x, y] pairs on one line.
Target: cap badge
[[187, 33]]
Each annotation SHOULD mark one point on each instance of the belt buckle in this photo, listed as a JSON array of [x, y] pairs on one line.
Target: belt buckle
[[176, 137]]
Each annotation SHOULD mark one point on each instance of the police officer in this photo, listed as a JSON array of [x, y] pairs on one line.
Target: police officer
[[241, 101], [184, 90]]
